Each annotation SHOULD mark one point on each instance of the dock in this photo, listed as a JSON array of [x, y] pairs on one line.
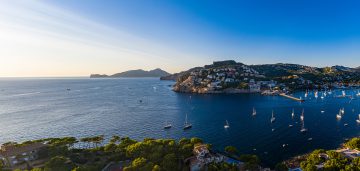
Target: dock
[[291, 97]]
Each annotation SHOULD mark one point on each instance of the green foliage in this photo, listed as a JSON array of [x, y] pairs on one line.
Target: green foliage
[[251, 161], [156, 168], [231, 150], [222, 166], [140, 164], [195, 140], [281, 167], [58, 163], [354, 143], [170, 162]]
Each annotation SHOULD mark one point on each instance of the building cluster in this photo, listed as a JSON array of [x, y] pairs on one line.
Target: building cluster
[[203, 157], [217, 79], [20, 156]]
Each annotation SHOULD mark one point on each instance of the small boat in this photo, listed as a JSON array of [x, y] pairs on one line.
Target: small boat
[[68, 89], [293, 113], [338, 116], [254, 112], [358, 120], [226, 125], [302, 116], [345, 124], [343, 111], [358, 94], [167, 125], [187, 125], [290, 126], [322, 111], [343, 93], [303, 129], [316, 94], [272, 117], [309, 139], [273, 130]]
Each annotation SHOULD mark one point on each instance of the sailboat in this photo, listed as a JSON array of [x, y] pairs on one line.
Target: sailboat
[[226, 125], [254, 112], [167, 125], [343, 111], [316, 94], [338, 116], [358, 94], [306, 94], [302, 116], [343, 93], [303, 129], [187, 125], [272, 117], [358, 120], [293, 113]]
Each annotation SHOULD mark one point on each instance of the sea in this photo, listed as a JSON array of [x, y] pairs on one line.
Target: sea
[[34, 108]]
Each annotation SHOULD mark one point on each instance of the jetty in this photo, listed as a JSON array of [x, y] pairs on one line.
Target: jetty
[[291, 97]]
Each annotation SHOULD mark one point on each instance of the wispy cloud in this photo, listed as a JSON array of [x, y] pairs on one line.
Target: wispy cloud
[[40, 39]]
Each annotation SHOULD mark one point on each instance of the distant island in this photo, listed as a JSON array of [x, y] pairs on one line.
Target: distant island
[[234, 77], [134, 73]]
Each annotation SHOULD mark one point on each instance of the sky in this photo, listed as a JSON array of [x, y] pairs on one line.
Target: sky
[[78, 38]]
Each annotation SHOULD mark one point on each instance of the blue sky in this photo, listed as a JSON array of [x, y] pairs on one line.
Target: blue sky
[[112, 36]]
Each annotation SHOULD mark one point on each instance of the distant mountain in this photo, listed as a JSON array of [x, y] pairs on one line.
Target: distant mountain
[[135, 73]]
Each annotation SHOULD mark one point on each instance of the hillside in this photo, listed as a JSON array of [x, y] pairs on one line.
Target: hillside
[[134, 73], [231, 76]]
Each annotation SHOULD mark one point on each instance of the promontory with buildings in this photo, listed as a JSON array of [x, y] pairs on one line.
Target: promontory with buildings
[[234, 77]]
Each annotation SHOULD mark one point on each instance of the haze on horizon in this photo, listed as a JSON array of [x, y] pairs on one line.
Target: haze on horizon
[[77, 38]]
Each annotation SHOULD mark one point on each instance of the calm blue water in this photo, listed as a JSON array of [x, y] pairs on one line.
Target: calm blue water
[[39, 108]]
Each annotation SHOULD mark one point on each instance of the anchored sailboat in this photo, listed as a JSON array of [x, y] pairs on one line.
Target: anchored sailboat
[[254, 112], [303, 129], [293, 113], [226, 125], [339, 115], [187, 125], [302, 115], [316, 94], [272, 117]]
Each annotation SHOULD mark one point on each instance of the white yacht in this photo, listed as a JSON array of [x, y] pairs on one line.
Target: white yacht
[[167, 125]]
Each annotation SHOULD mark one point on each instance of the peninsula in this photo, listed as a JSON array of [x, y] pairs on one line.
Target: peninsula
[[234, 77], [134, 73]]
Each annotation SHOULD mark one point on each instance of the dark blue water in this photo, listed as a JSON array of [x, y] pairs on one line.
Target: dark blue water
[[39, 108]]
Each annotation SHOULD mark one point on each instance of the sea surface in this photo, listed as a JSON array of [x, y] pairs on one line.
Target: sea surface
[[33, 108]]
